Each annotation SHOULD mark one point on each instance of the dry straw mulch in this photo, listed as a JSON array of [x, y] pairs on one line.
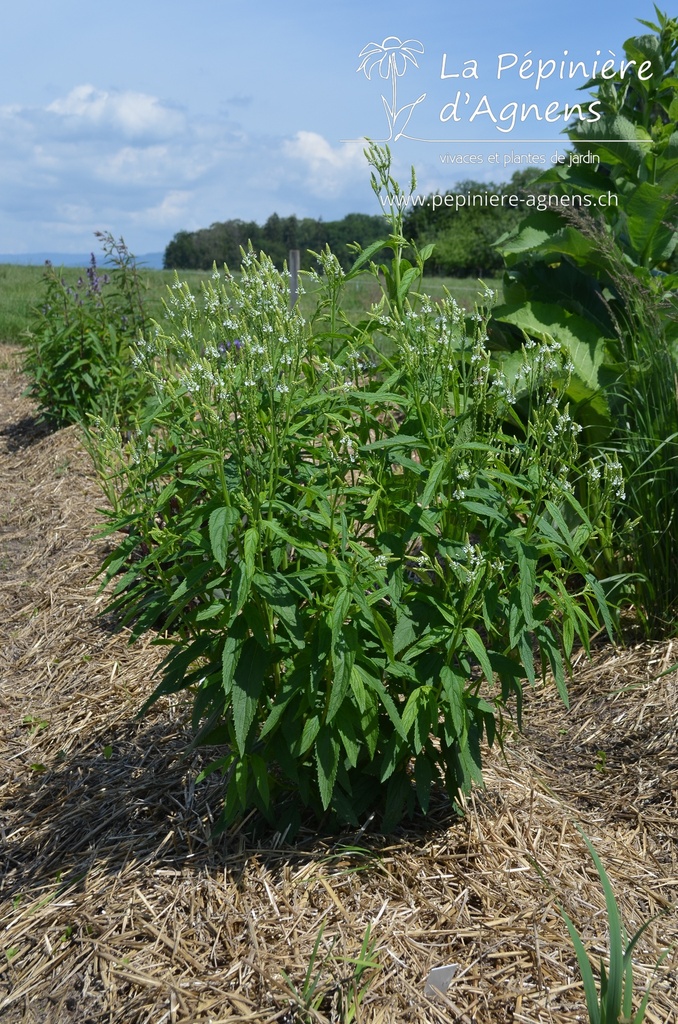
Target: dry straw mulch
[[117, 906]]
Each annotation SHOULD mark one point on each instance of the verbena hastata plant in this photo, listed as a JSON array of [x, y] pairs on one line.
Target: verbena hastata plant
[[355, 560], [78, 344]]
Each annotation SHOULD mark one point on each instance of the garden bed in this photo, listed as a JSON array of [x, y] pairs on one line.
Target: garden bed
[[118, 906]]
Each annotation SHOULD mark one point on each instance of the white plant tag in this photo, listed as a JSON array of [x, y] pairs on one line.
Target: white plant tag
[[439, 979]]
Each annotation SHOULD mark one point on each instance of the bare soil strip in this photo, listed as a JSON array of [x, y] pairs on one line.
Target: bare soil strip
[[117, 906]]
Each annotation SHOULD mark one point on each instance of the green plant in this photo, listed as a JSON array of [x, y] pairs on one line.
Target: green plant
[[355, 986], [78, 352], [630, 184], [35, 723], [612, 1001], [310, 997], [605, 287], [353, 562], [346, 994]]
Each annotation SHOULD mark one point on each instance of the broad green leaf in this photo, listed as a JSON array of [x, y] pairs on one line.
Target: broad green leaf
[[342, 603], [527, 564], [283, 598], [384, 633], [309, 734], [344, 726], [387, 701], [454, 683], [366, 255], [250, 548], [343, 660], [260, 773], [424, 774], [248, 680], [327, 751], [649, 211], [433, 481], [404, 634], [221, 524], [477, 646], [233, 646]]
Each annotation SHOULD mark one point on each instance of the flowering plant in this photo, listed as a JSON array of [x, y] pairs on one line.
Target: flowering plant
[[78, 355], [354, 560]]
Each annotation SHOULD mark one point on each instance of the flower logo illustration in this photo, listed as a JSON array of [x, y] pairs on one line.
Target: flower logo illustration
[[392, 57]]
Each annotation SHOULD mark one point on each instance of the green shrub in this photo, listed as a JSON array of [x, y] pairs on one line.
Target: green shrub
[[78, 352], [353, 564], [606, 287]]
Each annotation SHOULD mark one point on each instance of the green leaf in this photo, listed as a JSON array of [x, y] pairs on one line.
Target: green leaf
[[240, 589], [590, 991], [454, 683], [477, 646], [247, 684], [327, 751], [433, 481], [602, 604], [308, 735], [221, 524], [367, 255], [250, 548], [346, 730], [386, 699], [404, 633], [384, 633], [649, 209], [233, 646], [424, 774], [527, 563], [260, 772], [342, 603], [283, 597], [406, 281]]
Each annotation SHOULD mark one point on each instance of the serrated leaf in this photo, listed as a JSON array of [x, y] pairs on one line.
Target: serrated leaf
[[453, 684], [250, 548], [527, 565], [478, 649], [247, 685], [221, 524], [327, 750]]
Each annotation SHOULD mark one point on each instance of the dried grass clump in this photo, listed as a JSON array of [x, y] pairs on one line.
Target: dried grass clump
[[117, 905]]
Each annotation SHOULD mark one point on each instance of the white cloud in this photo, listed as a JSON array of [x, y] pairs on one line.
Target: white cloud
[[173, 208], [133, 114], [135, 165], [126, 161], [328, 170]]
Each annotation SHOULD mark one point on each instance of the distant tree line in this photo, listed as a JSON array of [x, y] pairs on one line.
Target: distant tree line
[[464, 237], [221, 243]]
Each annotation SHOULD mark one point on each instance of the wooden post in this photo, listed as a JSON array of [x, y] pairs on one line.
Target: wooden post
[[294, 263]]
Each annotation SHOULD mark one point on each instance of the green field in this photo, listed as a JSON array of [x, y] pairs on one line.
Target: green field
[[22, 290]]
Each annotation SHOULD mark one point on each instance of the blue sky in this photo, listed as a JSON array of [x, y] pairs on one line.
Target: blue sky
[[146, 118]]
